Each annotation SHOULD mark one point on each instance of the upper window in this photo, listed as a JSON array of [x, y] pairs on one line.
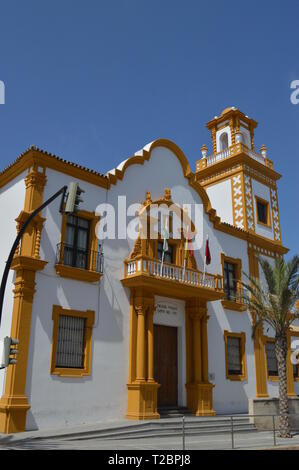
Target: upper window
[[272, 366], [262, 211], [78, 254], [76, 242], [232, 272], [223, 141], [230, 285]]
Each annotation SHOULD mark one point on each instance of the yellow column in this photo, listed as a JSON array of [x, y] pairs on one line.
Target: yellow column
[[197, 359], [14, 403], [150, 345], [204, 345], [199, 390], [142, 390], [259, 346], [290, 374], [140, 344], [213, 133]]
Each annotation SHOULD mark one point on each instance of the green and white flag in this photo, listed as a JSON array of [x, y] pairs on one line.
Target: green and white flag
[[165, 235]]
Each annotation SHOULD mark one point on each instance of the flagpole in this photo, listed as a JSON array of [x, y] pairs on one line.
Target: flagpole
[[161, 267], [184, 270]]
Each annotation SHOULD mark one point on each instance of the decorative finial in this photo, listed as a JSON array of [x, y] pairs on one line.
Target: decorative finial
[[264, 151], [167, 194], [204, 151], [148, 198]]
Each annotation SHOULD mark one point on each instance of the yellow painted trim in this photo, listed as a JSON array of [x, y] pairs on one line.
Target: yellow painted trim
[[242, 336], [238, 201], [38, 158], [88, 315], [231, 305], [77, 274], [290, 372], [275, 214]]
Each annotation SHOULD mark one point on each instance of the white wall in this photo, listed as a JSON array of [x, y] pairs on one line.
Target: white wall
[[12, 198], [220, 195], [229, 396]]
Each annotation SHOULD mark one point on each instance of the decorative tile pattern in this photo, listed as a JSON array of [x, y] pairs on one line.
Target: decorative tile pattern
[[238, 202], [275, 215], [249, 203]]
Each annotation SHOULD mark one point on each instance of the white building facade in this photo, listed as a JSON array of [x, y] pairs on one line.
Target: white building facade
[[105, 331]]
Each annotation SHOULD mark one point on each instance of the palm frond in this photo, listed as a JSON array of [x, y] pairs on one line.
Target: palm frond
[[268, 273]]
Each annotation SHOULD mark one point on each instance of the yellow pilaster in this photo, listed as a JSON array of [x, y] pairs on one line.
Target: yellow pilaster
[[204, 353], [259, 346], [197, 358], [14, 402], [199, 390], [290, 375], [150, 344], [140, 343], [142, 388]]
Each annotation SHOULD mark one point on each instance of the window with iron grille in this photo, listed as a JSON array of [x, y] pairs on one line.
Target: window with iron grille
[[271, 359], [76, 242], [230, 285], [234, 356], [70, 342]]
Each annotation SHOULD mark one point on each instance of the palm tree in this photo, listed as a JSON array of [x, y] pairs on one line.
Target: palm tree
[[273, 302]]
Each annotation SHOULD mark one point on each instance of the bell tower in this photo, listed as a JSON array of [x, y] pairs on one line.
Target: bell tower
[[240, 182]]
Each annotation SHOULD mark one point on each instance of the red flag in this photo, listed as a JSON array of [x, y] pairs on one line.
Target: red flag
[[188, 246], [207, 252]]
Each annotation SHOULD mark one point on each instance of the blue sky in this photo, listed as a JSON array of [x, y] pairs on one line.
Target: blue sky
[[93, 81]]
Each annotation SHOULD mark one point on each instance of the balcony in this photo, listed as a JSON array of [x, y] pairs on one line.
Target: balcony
[[234, 298], [236, 149], [82, 265], [172, 280]]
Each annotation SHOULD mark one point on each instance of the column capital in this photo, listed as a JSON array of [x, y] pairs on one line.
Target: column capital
[[196, 308]]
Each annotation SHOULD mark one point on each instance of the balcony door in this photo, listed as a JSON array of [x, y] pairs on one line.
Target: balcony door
[[76, 242], [166, 364]]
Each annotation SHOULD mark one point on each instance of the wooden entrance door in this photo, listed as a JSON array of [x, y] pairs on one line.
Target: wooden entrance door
[[166, 364]]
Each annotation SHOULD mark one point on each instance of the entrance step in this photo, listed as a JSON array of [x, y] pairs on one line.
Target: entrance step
[[194, 426], [174, 412]]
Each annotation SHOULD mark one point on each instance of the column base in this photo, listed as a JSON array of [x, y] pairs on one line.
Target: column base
[[262, 395], [142, 400], [200, 398], [13, 412]]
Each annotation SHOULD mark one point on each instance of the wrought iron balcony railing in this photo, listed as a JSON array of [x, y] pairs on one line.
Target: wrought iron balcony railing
[[236, 293], [69, 255]]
